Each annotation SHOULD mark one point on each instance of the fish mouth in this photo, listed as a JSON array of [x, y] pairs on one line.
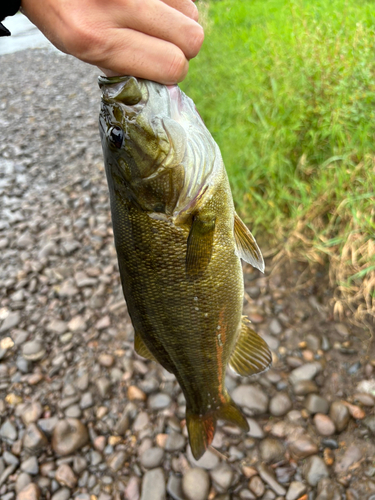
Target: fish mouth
[[121, 89]]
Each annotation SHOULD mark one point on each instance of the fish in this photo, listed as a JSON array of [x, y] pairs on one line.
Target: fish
[[179, 243]]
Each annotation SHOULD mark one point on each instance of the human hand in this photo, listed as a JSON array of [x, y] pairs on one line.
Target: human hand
[[151, 39]]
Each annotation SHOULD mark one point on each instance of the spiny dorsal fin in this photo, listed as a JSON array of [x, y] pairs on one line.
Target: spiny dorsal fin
[[251, 354], [141, 349], [247, 247], [199, 245]]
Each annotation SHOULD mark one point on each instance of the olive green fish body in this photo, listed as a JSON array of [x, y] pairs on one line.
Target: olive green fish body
[[178, 253]]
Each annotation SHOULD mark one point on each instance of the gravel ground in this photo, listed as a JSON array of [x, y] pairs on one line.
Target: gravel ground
[[81, 415]]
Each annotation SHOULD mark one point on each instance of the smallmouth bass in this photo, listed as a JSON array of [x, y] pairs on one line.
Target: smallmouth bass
[[179, 242]]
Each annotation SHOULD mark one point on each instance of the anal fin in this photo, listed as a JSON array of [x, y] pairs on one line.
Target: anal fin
[[251, 354], [247, 247], [141, 348]]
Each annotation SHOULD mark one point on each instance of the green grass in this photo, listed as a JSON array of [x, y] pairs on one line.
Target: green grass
[[287, 88]]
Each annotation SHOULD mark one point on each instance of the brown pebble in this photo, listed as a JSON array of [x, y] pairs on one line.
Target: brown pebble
[[34, 378], [100, 443], [256, 318], [30, 492], [161, 440], [302, 447], [65, 476], [256, 485], [364, 398], [324, 425], [135, 394], [328, 456], [249, 471], [68, 436], [355, 411], [106, 360], [308, 355]]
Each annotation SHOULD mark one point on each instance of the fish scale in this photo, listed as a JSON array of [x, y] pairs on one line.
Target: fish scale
[[180, 268]]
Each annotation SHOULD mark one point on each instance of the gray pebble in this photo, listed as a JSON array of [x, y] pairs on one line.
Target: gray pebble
[[252, 398], [152, 457], [62, 494], [175, 442], [271, 450], [352, 455], [79, 464], [141, 422], [23, 365], [73, 411], [122, 425], [153, 485], [296, 490], [222, 477], [328, 489], [104, 387], [275, 327], [340, 415], [268, 477], [22, 480], [196, 484], [314, 470], [256, 485], [280, 405], [11, 321], [159, 401], [305, 372], [86, 401], [174, 487], [48, 424], [32, 413], [8, 431], [208, 461], [95, 457], [369, 422], [34, 439], [316, 404], [117, 460], [33, 350], [305, 387], [256, 430], [30, 466], [10, 459]]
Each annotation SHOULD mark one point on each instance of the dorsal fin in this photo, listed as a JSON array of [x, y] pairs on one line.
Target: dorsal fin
[[251, 354], [199, 245], [247, 247]]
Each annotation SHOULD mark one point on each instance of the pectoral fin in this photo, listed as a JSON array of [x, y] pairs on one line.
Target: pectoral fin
[[247, 247], [251, 354], [199, 245], [141, 348]]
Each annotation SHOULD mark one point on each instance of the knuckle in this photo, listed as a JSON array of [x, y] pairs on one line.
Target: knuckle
[[81, 42], [192, 11], [195, 41], [178, 67]]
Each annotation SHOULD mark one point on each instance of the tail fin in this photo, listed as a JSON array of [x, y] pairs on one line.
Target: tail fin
[[202, 428]]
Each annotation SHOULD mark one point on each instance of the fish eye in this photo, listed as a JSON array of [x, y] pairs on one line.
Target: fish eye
[[116, 136]]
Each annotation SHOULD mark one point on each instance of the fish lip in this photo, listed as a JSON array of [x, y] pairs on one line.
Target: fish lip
[[110, 80]]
